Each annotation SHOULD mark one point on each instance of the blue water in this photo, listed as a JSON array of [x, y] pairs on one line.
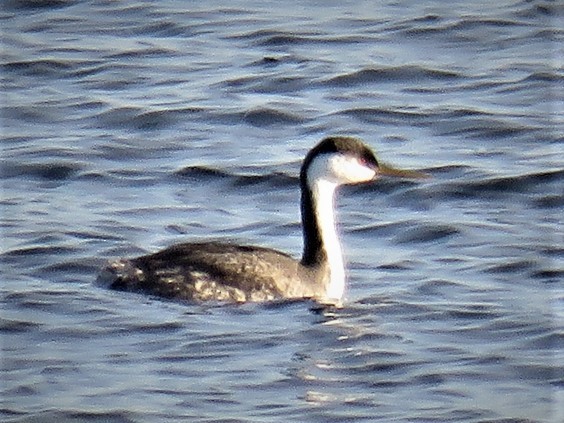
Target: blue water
[[129, 126]]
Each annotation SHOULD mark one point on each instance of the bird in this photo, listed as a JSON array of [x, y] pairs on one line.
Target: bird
[[228, 272]]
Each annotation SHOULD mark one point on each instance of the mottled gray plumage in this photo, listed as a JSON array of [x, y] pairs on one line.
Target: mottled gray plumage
[[219, 271]]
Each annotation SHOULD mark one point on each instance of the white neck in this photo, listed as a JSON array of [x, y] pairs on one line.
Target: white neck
[[323, 192]]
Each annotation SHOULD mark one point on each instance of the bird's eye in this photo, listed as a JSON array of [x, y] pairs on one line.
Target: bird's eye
[[364, 161]]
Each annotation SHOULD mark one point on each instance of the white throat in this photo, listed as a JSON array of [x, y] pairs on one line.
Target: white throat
[[325, 173], [323, 192]]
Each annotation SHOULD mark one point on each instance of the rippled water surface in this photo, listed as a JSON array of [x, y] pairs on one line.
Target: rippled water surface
[[130, 126]]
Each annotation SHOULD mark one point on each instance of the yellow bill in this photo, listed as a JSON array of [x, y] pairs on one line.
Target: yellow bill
[[387, 170]]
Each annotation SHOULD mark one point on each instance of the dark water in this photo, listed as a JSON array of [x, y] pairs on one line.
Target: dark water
[[129, 126]]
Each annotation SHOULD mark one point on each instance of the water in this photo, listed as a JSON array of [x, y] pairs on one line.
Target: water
[[130, 126]]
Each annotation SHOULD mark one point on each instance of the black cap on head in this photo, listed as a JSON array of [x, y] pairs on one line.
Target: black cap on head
[[344, 145]]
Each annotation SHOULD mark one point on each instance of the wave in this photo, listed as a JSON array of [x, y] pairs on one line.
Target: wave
[[55, 171], [391, 74], [516, 184], [210, 175], [267, 117], [27, 5]]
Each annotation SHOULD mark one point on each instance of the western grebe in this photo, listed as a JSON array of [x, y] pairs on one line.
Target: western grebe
[[226, 272]]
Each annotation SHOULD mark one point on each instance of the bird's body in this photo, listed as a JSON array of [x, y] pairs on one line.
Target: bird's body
[[236, 273], [219, 271]]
